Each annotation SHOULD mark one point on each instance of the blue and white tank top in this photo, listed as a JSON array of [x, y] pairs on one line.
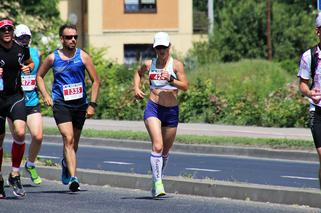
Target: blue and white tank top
[[155, 75], [69, 86], [28, 82]]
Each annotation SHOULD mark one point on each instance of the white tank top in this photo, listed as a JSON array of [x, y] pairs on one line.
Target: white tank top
[[155, 75]]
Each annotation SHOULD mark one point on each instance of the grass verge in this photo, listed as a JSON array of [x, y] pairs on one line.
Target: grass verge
[[274, 143]]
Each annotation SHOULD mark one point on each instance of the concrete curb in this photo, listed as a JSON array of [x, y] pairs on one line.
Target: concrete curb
[[208, 188], [199, 148]]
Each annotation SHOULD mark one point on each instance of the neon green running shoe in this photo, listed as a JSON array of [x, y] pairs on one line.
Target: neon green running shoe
[[33, 174], [158, 189]]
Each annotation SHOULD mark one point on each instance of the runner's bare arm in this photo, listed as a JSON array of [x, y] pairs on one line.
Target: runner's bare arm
[[27, 66], [40, 58], [181, 82], [137, 78], [95, 82], [92, 74], [43, 69], [314, 94]]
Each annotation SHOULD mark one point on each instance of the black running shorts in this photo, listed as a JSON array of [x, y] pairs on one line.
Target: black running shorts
[[33, 109], [13, 107], [315, 125], [63, 114]]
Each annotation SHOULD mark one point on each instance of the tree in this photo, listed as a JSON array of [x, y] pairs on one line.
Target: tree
[[240, 30], [41, 16]]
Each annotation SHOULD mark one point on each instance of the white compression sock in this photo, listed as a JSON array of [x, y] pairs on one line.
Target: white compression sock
[[156, 163]]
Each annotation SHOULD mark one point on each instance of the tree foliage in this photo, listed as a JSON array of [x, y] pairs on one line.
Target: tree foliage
[[240, 30], [41, 16], [46, 9]]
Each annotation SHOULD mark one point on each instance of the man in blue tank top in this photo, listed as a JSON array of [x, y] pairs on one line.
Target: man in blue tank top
[[34, 119], [69, 101]]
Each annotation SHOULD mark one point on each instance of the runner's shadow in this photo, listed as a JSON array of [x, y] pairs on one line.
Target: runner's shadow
[[146, 198], [57, 192], [24, 186], [29, 186], [14, 198]]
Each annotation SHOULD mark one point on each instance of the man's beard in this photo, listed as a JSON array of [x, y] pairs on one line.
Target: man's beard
[[70, 48]]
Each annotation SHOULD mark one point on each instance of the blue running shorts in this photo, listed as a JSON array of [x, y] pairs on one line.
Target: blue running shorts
[[167, 115]]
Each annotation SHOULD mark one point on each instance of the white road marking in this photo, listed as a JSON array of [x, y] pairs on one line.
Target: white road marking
[[203, 170], [301, 178], [118, 163], [48, 157]]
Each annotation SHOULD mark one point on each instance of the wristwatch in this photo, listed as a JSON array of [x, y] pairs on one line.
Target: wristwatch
[[171, 79], [92, 104]]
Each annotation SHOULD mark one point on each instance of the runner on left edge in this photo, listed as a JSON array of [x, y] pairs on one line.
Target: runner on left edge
[[14, 59]]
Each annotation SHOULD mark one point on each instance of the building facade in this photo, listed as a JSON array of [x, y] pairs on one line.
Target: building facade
[[126, 27]]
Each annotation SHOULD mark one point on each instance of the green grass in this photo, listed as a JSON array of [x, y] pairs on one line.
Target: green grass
[[246, 76], [196, 139]]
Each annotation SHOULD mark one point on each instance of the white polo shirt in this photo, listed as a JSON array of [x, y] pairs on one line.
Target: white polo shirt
[[305, 72]]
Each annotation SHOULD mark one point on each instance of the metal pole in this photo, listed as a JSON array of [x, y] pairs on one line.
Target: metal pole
[[210, 11], [268, 30]]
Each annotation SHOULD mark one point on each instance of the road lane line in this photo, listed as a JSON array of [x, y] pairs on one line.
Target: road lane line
[[118, 163], [301, 178], [203, 170], [48, 157]]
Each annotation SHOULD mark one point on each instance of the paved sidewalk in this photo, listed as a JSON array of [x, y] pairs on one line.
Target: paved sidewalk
[[199, 129]]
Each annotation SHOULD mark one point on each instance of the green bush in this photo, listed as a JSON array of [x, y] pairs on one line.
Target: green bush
[[249, 92], [116, 100], [285, 107], [200, 103], [244, 109]]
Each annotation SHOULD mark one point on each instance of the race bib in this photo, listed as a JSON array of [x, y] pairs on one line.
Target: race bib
[[28, 82], [156, 78], [72, 91]]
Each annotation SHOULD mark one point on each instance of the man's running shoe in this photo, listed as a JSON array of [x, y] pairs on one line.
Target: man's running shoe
[[2, 192], [15, 183], [65, 176], [158, 189], [33, 174], [74, 184]]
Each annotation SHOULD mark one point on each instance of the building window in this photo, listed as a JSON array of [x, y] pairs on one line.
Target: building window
[[140, 6], [135, 53]]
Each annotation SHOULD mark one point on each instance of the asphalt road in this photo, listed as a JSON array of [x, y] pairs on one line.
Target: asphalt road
[[232, 189], [197, 166], [51, 196]]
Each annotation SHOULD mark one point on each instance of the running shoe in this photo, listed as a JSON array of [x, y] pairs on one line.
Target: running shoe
[[158, 189], [33, 174], [15, 183], [2, 192], [65, 176], [74, 184]]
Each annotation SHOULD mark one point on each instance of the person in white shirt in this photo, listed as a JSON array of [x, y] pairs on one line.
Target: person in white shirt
[[311, 70]]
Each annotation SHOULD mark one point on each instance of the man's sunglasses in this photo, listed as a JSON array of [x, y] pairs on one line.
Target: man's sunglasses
[[69, 37], [6, 28], [160, 47]]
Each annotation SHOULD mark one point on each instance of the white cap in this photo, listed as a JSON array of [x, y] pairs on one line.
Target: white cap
[[22, 29], [318, 20], [161, 38]]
